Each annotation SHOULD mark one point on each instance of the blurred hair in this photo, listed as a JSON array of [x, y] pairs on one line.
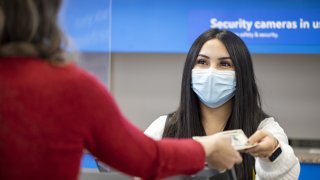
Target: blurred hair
[[30, 28]]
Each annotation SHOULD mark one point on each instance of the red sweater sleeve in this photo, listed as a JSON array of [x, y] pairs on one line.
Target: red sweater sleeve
[[118, 143]]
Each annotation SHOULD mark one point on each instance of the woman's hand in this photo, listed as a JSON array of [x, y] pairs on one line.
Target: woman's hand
[[266, 144], [220, 154]]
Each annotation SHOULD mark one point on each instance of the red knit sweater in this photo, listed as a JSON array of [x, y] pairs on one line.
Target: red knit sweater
[[49, 114]]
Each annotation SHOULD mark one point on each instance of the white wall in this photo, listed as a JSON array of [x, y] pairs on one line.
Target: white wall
[[148, 85]]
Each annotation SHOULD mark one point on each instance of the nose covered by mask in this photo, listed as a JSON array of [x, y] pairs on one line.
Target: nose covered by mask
[[213, 87]]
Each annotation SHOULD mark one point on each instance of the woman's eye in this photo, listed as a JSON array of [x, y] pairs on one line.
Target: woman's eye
[[202, 61], [225, 64]]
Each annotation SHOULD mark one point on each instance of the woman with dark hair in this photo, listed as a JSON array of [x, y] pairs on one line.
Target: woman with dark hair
[[50, 110], [219, 93]]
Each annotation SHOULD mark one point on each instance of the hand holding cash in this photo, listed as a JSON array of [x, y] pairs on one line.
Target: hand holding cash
[[238, 139]]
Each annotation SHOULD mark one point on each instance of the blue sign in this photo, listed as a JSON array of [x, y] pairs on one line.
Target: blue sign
[[170, 26]]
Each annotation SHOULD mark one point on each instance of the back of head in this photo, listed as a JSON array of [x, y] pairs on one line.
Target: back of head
[[29, 28]]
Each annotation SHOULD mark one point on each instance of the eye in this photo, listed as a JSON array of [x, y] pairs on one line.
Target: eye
[[225, 64], [202, 62]]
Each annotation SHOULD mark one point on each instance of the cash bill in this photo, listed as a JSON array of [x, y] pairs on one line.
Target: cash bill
[[238, 139]]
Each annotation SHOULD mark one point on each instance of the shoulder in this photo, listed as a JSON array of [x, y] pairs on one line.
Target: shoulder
[[84, 81], [76, 73], [156, 128], [38, 72], [83, 86]]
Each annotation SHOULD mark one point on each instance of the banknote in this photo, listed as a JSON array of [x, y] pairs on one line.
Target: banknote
[[238, 139]]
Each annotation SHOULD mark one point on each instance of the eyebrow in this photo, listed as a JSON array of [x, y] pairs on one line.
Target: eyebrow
[[204, 56], [223, 58], [220, 58]]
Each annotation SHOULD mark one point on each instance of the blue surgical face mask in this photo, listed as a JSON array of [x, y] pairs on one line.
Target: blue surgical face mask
[[213, 87]]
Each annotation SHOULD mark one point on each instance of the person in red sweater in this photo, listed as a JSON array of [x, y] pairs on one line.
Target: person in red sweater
[[51, 110]]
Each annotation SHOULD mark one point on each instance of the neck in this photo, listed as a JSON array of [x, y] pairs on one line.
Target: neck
[[214, 120]]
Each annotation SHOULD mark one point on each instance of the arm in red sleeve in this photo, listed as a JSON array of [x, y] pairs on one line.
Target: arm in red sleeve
[[115, 141]]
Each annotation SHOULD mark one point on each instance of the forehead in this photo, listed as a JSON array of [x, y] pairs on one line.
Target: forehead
[[214, 48]]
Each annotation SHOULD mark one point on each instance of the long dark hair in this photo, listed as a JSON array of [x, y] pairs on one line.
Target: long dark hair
[[246, 113], [29, 28]]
